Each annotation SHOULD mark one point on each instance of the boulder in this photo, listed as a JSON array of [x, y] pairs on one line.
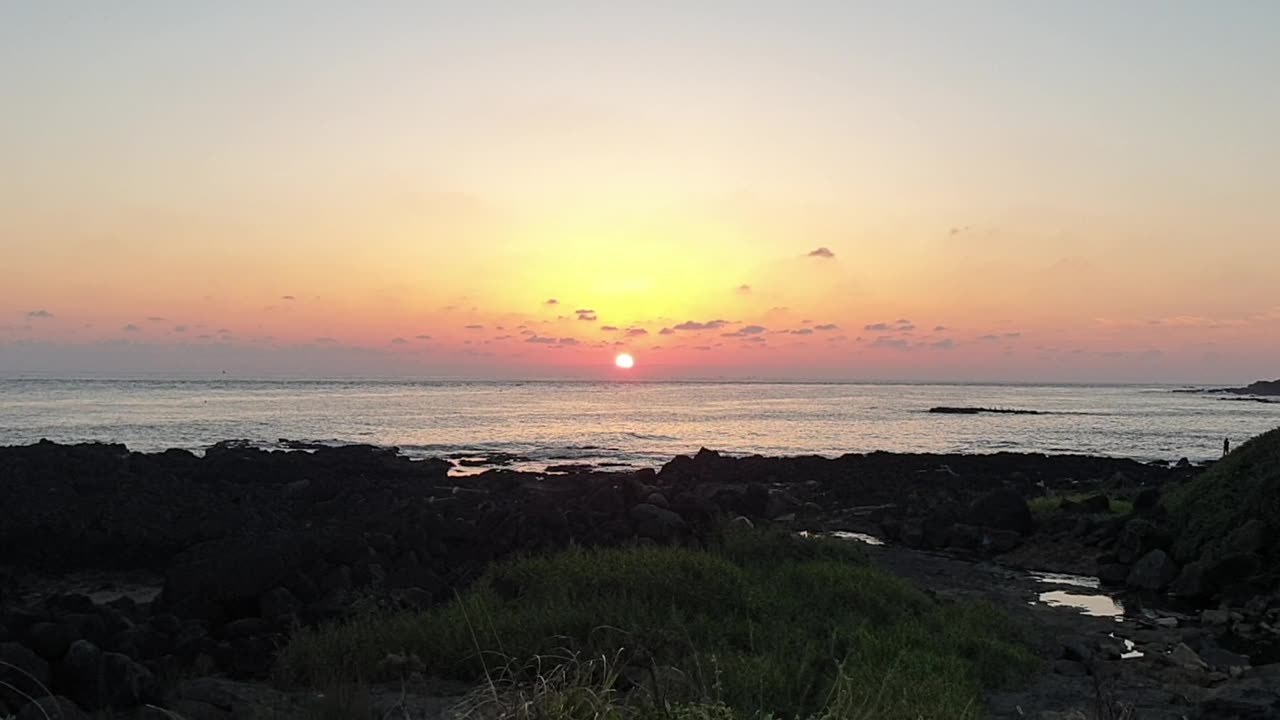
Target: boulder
[[1255, 695], [1248, 539], [1153, 571], [224, 578], [656, 523], [277, 603], [1146, 500], [1092, 504], [1139, 537], [23, 674], [1113, 573], [1002, 510], [51, 707], [50, 640], [1191, 583]]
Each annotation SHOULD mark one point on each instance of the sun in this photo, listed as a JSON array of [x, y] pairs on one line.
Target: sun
[[624, 361]]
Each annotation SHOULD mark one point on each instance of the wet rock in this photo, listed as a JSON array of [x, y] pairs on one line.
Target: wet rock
[[1153, 571]]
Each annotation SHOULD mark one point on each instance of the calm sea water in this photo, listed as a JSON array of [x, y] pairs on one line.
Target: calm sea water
[[637, 424]]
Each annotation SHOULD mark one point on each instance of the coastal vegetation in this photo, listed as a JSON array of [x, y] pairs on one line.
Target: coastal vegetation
[[1079, 502], [1233, 506], [757, 624]]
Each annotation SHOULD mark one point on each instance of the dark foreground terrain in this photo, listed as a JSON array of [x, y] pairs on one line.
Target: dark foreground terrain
[[173, 580]]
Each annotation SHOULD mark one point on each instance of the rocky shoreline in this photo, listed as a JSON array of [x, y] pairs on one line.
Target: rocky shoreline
[[204, 564]]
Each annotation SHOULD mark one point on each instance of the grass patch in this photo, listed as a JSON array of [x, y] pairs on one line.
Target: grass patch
[[1243, 486], [1050, 504], [759, 624]]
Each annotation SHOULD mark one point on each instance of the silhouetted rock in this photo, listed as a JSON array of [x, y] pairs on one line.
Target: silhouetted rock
[[51, 707], [1002, 510], [23, 674], [1153, 571]]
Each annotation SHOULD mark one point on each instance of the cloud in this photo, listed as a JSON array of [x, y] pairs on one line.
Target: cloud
[[709, 325], [703, 348], [895, 326], [568, 341], [541, 340], [802, 331], [179, 328], [421, 337], [288, 297], [637, 332], [744, 289], [586, 315], [756, 339], [399, 341], [822, 252], [828, 327], [551, 301], [945, 344], [609, 328], [39, 314], [326, 340], [473, 327], [155, 318], [1013, 335], [746, 331], [895, 343], [666, 331], [131, 328], [939, 328]]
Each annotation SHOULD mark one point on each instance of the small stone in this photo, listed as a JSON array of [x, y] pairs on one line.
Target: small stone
[[1185, 657], [1215, 617]]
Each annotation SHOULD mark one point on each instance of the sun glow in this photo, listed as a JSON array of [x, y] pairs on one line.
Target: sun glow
[[624, 361]]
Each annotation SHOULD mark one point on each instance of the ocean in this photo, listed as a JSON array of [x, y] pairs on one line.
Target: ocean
[[639, 424]]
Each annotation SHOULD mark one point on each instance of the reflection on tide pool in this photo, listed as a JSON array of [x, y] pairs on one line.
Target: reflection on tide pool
[[1095, 605], [860, 537]]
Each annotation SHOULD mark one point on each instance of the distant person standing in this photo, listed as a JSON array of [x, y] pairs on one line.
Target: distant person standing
[[1226, 446]]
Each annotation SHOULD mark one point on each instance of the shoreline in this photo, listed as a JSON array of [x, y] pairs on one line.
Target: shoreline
[[248, 543]]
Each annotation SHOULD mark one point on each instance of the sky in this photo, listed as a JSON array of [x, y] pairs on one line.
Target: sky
[[1078, 192]]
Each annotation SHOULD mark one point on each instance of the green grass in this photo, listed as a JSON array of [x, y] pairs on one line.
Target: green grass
[[1049, 504], [760, 624], [1243, 486]]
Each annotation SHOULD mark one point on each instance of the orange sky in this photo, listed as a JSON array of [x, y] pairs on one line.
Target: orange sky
[[191, 191]]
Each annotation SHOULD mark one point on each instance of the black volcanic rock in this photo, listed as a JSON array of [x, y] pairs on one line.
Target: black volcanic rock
[[1261, 387]]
